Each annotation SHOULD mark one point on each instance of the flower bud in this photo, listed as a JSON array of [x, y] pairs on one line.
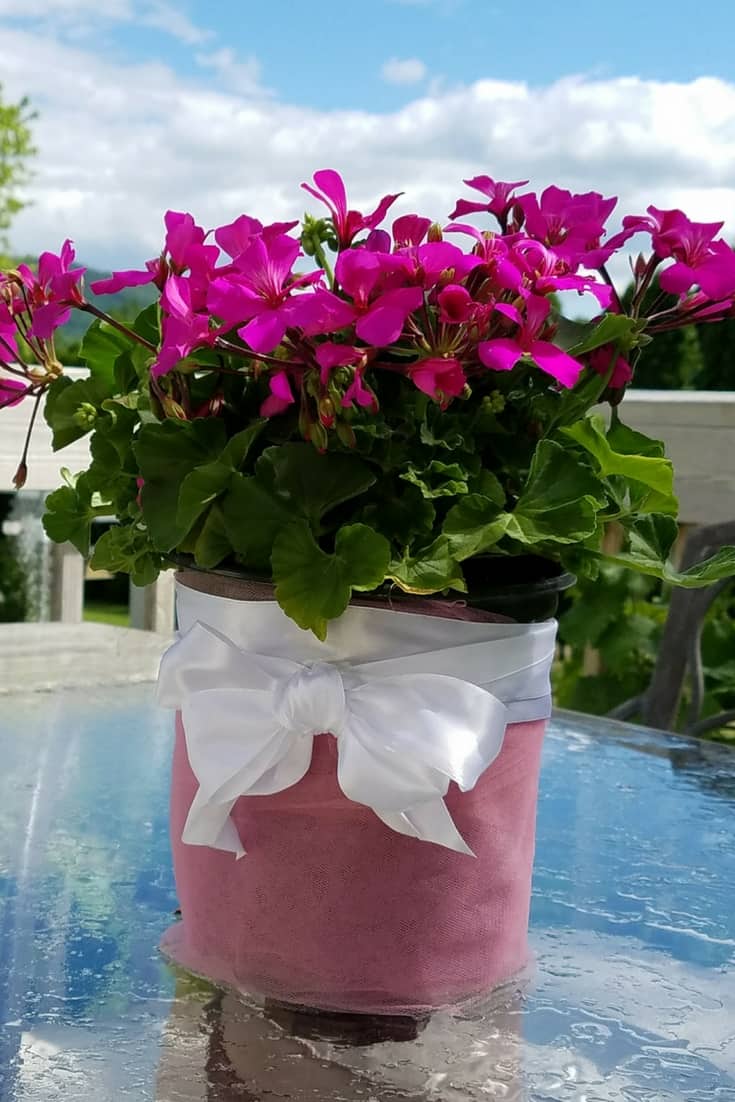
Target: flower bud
[[304, 422], [85, 416], [435, 233], [346, 434], [172, 409], [318, 436], [326, 411], [19, 479]]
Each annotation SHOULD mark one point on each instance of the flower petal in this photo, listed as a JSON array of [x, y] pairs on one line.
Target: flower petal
[[555, 362], [500, 355]]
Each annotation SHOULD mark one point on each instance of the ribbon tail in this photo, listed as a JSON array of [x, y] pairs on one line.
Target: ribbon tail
[[429, 821], [209, 824]]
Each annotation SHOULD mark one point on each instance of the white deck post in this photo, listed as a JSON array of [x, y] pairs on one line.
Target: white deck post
[[67, 584], [152, 606]]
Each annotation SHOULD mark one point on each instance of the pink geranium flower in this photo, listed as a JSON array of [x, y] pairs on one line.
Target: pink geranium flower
[[330, 355], [410, 229], [12, 391], [183, 249], [572, 225], [281, 395], [330, 190], [545, 273], [600, 360], [381, 314], [8, 347], [495, 253], [52, 290], [426, 265], [698, 257], [499, 197], [440, 377], [183, 328], [503, 353], [258, 292]]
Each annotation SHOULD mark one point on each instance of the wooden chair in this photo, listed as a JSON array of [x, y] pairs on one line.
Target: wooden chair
[[680, 657]]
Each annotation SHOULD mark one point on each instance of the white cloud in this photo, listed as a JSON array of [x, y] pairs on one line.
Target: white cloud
[[78, 19], [122, 143], [62, 10], [242, 76], [403, 71], [171, 19]]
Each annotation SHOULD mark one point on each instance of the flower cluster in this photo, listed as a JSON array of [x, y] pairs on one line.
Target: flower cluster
[[409, 301], [435, 354]]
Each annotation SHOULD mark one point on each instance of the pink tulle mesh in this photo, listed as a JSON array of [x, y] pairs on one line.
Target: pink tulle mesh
[[332, 909]]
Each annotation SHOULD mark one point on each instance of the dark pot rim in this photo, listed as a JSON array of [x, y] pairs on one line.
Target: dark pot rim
[[547, 578]]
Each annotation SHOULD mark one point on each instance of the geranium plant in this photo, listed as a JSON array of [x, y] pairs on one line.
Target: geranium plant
[[341, 408]]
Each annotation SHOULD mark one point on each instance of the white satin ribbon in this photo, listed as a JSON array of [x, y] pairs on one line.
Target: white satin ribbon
[[406, 725]]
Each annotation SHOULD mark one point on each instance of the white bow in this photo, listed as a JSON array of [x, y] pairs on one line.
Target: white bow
[[250, 721]]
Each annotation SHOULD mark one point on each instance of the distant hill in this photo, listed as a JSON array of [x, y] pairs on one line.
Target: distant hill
[[124, 304]]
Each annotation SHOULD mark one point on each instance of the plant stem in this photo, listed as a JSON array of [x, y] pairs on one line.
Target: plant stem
[[320, 256], [608, 279], [89, 308], [246, 354], [21, 473]]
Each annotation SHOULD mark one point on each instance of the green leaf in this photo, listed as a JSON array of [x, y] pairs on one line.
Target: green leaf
[[721, 565], [204, 484], [213, 544], [238, 447], [488, 485], [113, 469], [126, 549], [560, 501], [400, 518], [438, 430], [146, 325], [166, 453], [313, 482], [628, 441], [613, 329], [428, 571], [313, 587], [62, 409], [651, 539], [653, 474], [253, 516], [69, 514], [474, 525], [100, 348], [438, 479], [199, 489]]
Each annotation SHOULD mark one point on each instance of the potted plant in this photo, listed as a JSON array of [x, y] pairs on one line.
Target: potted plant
[[373, 458]]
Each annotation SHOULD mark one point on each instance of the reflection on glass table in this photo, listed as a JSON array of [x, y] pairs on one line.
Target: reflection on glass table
[[631, 996]]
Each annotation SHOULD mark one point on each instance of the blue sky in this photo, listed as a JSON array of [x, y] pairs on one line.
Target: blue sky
[[225, 107], [331, 54]]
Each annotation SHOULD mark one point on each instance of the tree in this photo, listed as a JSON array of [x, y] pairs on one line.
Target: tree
[[718, 352], [673, 361], [16, 148]]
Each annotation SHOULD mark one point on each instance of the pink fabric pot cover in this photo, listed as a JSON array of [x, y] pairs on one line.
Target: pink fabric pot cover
[[332, 909]]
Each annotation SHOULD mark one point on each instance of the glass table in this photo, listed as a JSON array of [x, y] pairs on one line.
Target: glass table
[[631, 996]]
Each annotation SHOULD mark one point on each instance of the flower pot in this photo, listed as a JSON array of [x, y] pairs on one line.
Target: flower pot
[[331, 908]]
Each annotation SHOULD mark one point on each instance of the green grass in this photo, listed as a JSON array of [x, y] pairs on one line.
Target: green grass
[[104, 612]]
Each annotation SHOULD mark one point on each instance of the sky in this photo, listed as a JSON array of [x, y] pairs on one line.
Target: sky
[[225, 107]]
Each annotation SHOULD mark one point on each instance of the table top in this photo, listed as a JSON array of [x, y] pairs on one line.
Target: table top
[[631, 997]]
